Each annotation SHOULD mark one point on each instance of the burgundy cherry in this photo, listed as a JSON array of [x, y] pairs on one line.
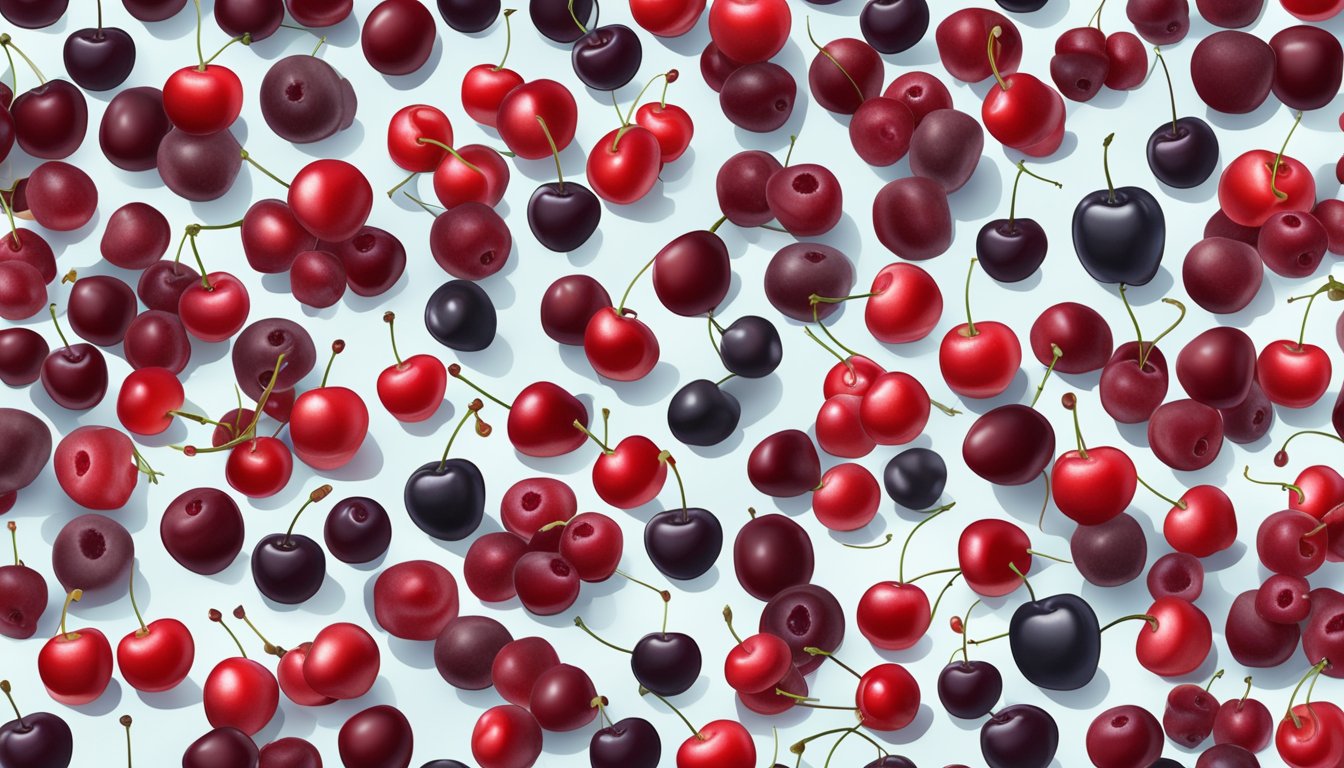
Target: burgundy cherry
[[22, 351], [921, 92], [1232, 71], [202, 530], [1216, 367], [374, 260], [465, 651], [1222, 275], [1186, 434], [61, 196], [1283, 599], [803, 270], [759, 97], [740, 187], [946, 148], [199, 168], [770, 554], [805, 198], [397, 36], [136, 236], [1079, 331], [1292, 243], [844, 74], [1308, 66], [157, 339], [1254, 641], [50, 120], [912, 218], [1176, 574], [162, 283], [272, 237], [101, 309], [805, 616], [358, 530], [1249, 420]]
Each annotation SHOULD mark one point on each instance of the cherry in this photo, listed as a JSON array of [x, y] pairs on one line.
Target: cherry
[[784, 464], [61, 197], [961, 44], [1189, 715], [1176, 574], [1321, 638], [49, 120], [304, 99], [1216, 367], [136, 236], [978, 360], [749, 31], [882, 131], [631, 742], [779, 699], [1079, 75], [853, 375], [92, 550], [1080, 332], [489, 564], [1289, 542], [887, 697], [770, 554], [1294, 374], [22, 352], [563, 216], [1134, 381], [97, 467], [415, 600], [1012, 249], [546, 583], [806, 199], [1056, 641], [199, 168], [377, 736], [1330, 213], [31, 249], [758, 97], [895, 615], [221, 746], [719, 743], [34, 739], [683, 542], [75, 667], [554, 19], [1119, 234], [563, 699], [607, 57], [417, 135], [373, 260], [541, 418], [1009, 445], [665, 18], [148, 400], [671, 124], [1124, 736], [25, 593], [1254, 640], [805, 616], [624, 165], [1019, 736], [472, 173], [912, 218], [517, 666], [290, 752], [1186, 154], [132, 127], [1292, 243], [1186, 434], [715, 67], [259, 19], [287, 567], [1258, 184], [397, 36], [412, 389], [342, 662], [1283, 599], [465, 16], [518, 112], [1129, 61], [1222, 275], [740, 186], [357, 530], [99, 59], [156, 657], [703, 413], [801, 271], [1109, 554], [1243, 722], [969, 689], [101, 308], [1176, 640], [1230, 14], [1307, 62], [894, 26], [1161, 22], [470, 241], [465, 650], [1022, 112], [33, 15], [506, 736], [1232, 71], [993, 555], [203, 530], [844, 74], [758, 663], [691, 274], [22, 292]]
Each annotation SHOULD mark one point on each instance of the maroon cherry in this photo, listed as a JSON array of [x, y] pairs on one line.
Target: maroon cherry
[[157, 339], [759, 97], [740, 186], [770, 554], [101, 309], [132, 127], [137, 235], [74, 376], [1191, 709], [465, 650], [1222, 275], [1216, 367], [799, 271], [805, 616], [1176, 574], [22, 352]]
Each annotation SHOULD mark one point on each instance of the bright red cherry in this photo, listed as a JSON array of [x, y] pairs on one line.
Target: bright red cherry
[[75, 666], [328, 424], [1259, 183], [979, 359], [412, 389]]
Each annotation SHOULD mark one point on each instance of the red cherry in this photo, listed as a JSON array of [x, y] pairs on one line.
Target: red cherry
[[412, 389], [76, 666], [518, 112], [852, 376], [547, 584], [489, 563], [893, 616], [533, 502], [895, 409], [847, 498], [414, 600], [517, 666], [921, 92], [757, 663], [979, 359], [994, 556], [239, 693], [1022, 112], [840, 430], [203, 99], [1091, 486], [474, 173], [748, 31], [1176, 641], [147, 399], [331, 199], [667, 18], [1310, 736], [157, 656], [216, 308], [887, 697], [961, 44], [272, 237], [259, 468], [97, 467], [592, 543], [1313, 10], [630, 474], [619, 346], [905, 306], [1252, 188], [720, 743], [289, 673], [506, 736], [624, 164], [1202, 522], [342, 662], [670, 124], [412, 123], [328, 424]]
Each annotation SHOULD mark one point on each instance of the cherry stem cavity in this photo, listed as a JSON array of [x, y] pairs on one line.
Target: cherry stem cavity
[[1274, 172]]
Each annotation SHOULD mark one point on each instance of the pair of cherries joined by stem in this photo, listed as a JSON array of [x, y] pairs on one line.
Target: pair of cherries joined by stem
[[624, 165], [895, 615]]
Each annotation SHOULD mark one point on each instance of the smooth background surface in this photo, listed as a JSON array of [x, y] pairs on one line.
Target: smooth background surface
[[715, 477]]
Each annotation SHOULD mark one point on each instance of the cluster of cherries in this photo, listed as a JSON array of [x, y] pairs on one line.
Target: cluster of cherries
[[1268, 216]]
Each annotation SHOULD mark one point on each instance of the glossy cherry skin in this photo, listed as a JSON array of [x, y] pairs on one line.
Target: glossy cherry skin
[[1205, 525], [1027, 115], [415, 600], [506, 736], [1056, 642], [1120, 236], [619, 346], [61, 196], [893, 26], [331, 199], [1128, 61], [1244, 192], [969, 689], [803, 616], [847, 498], [845, 75], [518, 112], [75, 377], [132, 126], [979, 361], [397, 36], [1217, 367], [1093, 486], [288, 568], [666, 663], [703, 413], [1009, 445], [906, 306], [446, 498], [887, 697], [563, 216], [719, 743], [22, 352], [217, 312], [203, 530], [985, 551], [758, 663], [1244, 722], [100, 309], [1130, 393], [758, 97], [670, 124], [1186, 434], [1179, 643], [893, 616], [146, 398], [475, 174], [1124, 736], [1293, 375], [1284, 546], [683, 543], [1309, 63], [801, 270], [962, 37], [203, 100], [623, 166], [1183, 154], [607, 57], [569, 304], [1080, 332], [748, 31], [632, 742], [320, 13], [378, 736], [483, 89], [412, 390], [158, 657], [327, 426], [770, 554], [50, 120], [33, 14], [240, 693], [768, 702], [541, 422], [740, 187], [99, 59], [342, 662], [1019, 736], [784, 464], [75, 667], [221, 746], [412, 123], [691, 274]]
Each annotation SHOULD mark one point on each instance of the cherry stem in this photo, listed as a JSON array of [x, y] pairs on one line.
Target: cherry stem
[[812, 650], [582, 29], [807, 701], [928, 516], [1171, 92], [994, 34], [1146, 349], [1096, 16], [1045, 502], [671, 78], [815, 299], [555, 152], [934, 610], [712, 325], [799, 746], [1245, 694], [1013, 567], [125, 721], [970, 324], [402, 183], [200, 54], [251, 429], [843, 360], [450, 150], [73, 596], [965, 632], [455, 371], [599, 702], [1049, 557], [13, 228], [52, 309], [681, 487], [1273, 174], [245, 39], [1012, 204], [266, 645], [390, 318], [1055, 354], [130, 591], [8, 44], [205, 275], [1301, 495], [14, 540], [606, 450], [667, 77], [218, 618], [321, 493], [645, 691], [1106, 166], [13, 71], [1330, 286], [321, 41], [663, 593], [836, 62], [715, 226], [9, 694], [816, 319], [1311, 674], [620, 308], [1070, 401], [1283, 450], [1182, 504], [508, 38], [884, 542], [989, 639], [337, 347], [578, 622], [247, 156], [1153, 623], [793, 139], [1213, 680], [427, 207], [472, 408], [728, 619]]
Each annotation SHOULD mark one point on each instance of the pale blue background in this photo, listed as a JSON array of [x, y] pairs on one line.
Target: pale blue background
[[443, 717]]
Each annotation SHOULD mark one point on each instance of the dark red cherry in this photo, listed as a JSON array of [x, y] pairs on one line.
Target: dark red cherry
[[805, 616], [465, 651], [1009, 445], [1176, 574], [202, 530], [136, 236], [257, 18], [893, 26], [1308, 66], [1222, 275], [101, 308], [740, 186], [50, 120], [1249, 420], [162, 283], [1232, 71], [801, 270], [1186, 434], [199, 168], [99, 59], [567, 306], [132, 128], [770, 554], [157, 339], [358, 530], [22, 351], [1110, 554], [374, 260], [759, 97]]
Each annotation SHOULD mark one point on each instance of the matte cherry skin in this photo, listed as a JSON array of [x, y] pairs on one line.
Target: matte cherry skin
[[1019, 736], [1321, 637], [1283, 599], [61, 196], [1160, 22], [24, 601], [506, 736], [1056, 642], [1189, 715], [465, 651], [912, 218], [397, 36], [1180, 640], [1079, 75], [546, 583], [489, 563], [1244, 192], [304, 99], [517, 666], [631, 742], [1292, 243], [1079, 331], [50, 120], [30, 248], [22, 292], [376, 737], [1244, 722], [772, 553], [969, 689], [290, 752], [803, 616], [844, 74], [1253, 640], [769, 702], [1130, 393], [1110, 554], [893, 26], [1222, 275], [1288, 542], [1185, 434], [758, 97], [683, 544], [95, 467], [533, 502], [414, 600], [961, 41], [1124, 736], [1176, 574], [94, 551], [22, 352], [203, 530], [1216, 367], [1009, 445], [199, 168], [784, 464], [470, 241], [881, 131], [691, 274], [801, 270], [740, 187], [1232, 71], [137, 235], [220, 747]]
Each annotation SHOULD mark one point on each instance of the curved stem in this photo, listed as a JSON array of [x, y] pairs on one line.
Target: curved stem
[[816, 319], [455, 371], [1245, 694], [927, 574], [245, 39], [600, 442], [620, 308], [994, 34], [472, 408], [1013, 567], [218, 618], [1180, 307], [1096, 16], [642, 691], [8, 43], [555, 152], [9, 694], [13, 228], [248, 157], [793, 139], [54, 321], [426, 207], [681, 487], [812, 650], [1012, 204], [390, 317], [1138, 332], [200, 54], [970, 324], [266, 645], [205, 274], [1055, 354], [1301, 496], [1071, 403], [1273, 174], [900, 571], [662, 593], [966, 631], [630, 113], [843, 360], [728, 619], [1171, 92], [715, 226], [1213, 680], [13, 72], [1302, 332], [337, 347], [319, 494], [250, 431], [1311, 674], [453, 152], [1106, 166], [884, 542], [1152, 621], [130, 590], [508, 38], [938, 600], [402, 183], [1045, 502], [578, 622], [822, 49], [73, 596], [584, 30]]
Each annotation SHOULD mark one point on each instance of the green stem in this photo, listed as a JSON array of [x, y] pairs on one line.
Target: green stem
[[642, 690], [1152, 621], [900, 577], [1181, 504], [200, 54], [1013, 567], [970, 324], [715, 226], [1312, 674], [1301, 496], [1096, 16], [1213, 680], [390, 317], [812, 650], [423, 205], [13, 72], [1012, 204], [453, 152], [218, 618], [245, 39], [1171, 92], [662, 593], [681, 487], [13, 228], [994, 34], [620, 308], [402, 183], [584, 30], [578, 622], [1106, 166], [205, 275], [8, 43], [130, 590], [14, 541], [816, 319], [319, 494], [1273, 174], [728, 619], [938, 600], [1055, 354], [455, 371], [793, 139], [248, 157], [337, 347], [836, 62], [471, 411], [126, 719], [555, 152], [630, 113], [52, 309], [966, 631], [508, 38]]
